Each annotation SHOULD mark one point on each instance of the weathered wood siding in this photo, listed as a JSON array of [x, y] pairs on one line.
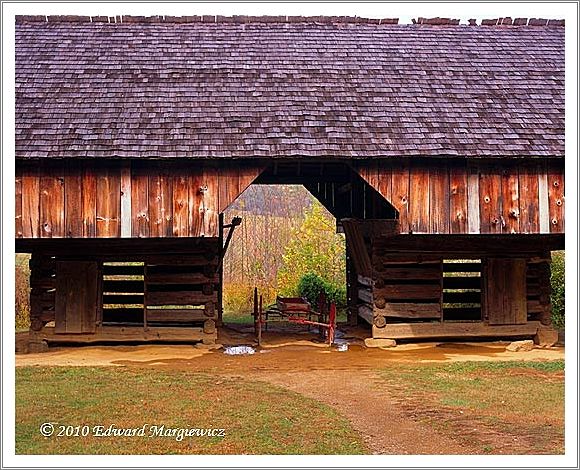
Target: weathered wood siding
[[504, 291], [471, 196], [87, 199], [114, 287]]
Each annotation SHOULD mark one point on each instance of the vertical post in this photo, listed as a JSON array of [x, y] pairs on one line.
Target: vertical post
[[126, 218], [323, 312], [99, 319], [260, 322], [35, 299], [145, 296], [441, 275], [256, 311], [331, 323], [221, 270], [351, 289], [545, 289]]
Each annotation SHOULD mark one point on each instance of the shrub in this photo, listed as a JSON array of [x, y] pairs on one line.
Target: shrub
[[558, 287], [311, 285]]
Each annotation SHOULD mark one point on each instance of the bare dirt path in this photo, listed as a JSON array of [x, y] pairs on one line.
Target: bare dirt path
[[361, 397]]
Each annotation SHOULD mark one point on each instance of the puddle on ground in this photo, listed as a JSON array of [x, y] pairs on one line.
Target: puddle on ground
[[239, 350]]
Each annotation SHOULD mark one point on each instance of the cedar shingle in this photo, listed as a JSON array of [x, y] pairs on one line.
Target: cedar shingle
[[338, 87]]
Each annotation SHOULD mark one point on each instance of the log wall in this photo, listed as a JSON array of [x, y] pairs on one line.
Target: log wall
[[436, 281], [414, 288], [86, 199], [471, 196], [538, 289], [82, 293]]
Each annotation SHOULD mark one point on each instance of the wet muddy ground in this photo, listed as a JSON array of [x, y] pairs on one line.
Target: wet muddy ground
[[290, 349]]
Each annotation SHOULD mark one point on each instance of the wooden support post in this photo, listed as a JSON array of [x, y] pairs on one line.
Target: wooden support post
[[126, 200], [351, 290], [473, 217], [36, 322], [543, 206], [256, 311], [260, 322], [99, 317], [145, 276], [545, 289], [42, 293], [221, 270], [331, 323]]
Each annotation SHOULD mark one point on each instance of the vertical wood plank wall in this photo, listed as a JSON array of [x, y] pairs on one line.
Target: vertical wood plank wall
[[458, 196], [88, 199], [167, 199]]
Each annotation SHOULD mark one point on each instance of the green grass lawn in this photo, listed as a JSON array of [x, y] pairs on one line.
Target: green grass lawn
[[522, 400], [258, 418]]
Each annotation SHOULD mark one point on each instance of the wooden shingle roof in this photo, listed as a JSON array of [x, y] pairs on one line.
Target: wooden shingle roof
[[155, 89]]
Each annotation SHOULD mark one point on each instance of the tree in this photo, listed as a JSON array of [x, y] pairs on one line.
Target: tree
[[315, 247]]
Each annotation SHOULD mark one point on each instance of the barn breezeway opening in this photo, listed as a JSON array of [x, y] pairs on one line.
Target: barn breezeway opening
[[291, 242]]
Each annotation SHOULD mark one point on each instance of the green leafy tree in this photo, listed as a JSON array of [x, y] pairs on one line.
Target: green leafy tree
[[558, 288], [314, 248]]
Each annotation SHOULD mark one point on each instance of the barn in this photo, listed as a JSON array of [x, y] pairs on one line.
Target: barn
[[438, 147]]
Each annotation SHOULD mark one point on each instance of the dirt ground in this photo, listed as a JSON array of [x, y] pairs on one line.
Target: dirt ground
[[346, 380]]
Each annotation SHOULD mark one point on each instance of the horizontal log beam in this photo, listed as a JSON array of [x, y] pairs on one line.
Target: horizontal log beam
[[454, 330], [127, 333], [408, 291], [132, 299], [509, 245], [179, 278], [73, 247], [123, 270], [386, 258], [428, 272], [123, 315], [179, 298], [176, 315], [410, 310], [366, 313], [462, 313], [365, 280], [461, 297], [43, 283], [536, 306], [365, 295], [133, 287], [462, 267], [462, 282]]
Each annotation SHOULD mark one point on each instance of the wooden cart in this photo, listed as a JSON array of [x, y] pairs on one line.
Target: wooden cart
[[296, 310]]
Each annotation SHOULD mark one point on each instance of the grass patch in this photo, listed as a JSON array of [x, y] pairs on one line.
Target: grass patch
[[22, 284], [258, 418], [524, 400], [238, 318]]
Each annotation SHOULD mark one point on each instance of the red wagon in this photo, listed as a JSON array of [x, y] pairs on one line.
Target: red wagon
[[296, 310]]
